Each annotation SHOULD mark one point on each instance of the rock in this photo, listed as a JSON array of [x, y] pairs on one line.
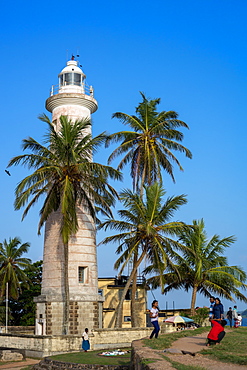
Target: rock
[[173, 350], [8, 355]]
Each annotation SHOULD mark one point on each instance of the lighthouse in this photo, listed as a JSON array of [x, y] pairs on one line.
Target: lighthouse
[[73, 98]]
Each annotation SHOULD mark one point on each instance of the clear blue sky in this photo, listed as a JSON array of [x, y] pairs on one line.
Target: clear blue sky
[[192, 54]]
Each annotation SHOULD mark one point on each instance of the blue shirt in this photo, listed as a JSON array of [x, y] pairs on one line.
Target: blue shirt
[[218, 311]]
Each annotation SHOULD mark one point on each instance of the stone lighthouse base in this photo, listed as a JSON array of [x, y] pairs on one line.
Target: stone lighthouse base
[[82, 314]]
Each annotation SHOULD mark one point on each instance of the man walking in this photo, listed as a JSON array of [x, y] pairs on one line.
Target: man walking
[[229, 316]]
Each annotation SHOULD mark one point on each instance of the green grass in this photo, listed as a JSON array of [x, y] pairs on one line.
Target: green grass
[[92, 358], [179, 366], [232, 349], [166, 340]]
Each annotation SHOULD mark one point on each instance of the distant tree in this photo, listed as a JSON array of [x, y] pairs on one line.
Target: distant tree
[[203, 268], [12, 265], [23, 310], [200, 315]]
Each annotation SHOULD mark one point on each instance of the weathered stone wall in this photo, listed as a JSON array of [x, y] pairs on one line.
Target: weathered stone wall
[[40, 346], [48, 364]]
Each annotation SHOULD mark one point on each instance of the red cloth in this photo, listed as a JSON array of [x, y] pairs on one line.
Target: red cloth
[[215, 331]]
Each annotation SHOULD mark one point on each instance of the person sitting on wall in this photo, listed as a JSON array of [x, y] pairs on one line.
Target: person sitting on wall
[[217, 332]]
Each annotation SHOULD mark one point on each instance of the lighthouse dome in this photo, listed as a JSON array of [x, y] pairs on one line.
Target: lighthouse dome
[[72, 66], [71, 77]]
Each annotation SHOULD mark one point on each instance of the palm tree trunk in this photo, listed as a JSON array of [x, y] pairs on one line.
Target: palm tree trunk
[[133, 295], [66, 290], [119, 312], [193, 300]]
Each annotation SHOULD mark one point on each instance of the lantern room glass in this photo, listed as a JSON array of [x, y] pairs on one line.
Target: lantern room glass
[[71, 79]]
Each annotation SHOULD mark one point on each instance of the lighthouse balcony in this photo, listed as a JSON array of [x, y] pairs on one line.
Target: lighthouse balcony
[[67, 87]]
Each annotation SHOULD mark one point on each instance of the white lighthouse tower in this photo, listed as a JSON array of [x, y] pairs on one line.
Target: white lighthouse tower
[[72, 98]]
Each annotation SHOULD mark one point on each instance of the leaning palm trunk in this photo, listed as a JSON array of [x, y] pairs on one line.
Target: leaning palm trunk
[[66, 290], [193, 300], [119, 313]]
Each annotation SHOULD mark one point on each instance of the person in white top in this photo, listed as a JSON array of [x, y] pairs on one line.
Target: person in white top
[[85, 341], [154, 314], [239, 319]]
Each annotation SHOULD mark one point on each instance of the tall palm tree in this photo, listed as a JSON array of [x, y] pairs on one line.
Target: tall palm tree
[[203, 268], [150, 143], [66, 177], [11, 266], [148, 147], [145, 225]]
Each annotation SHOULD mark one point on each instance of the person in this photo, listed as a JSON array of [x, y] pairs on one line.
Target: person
[[235, 316], [85, 341], [154, 314], [212, 302], [218, 310], [229, 316], [240, 319], [217, 332]]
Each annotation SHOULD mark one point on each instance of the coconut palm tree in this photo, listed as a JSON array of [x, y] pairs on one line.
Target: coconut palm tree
[[148, 147], [66, 177], [145, 226], [202, 267], [12, 264], [150, 143]]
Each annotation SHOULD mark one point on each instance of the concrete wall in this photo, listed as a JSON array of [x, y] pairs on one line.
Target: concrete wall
[[40, 346]]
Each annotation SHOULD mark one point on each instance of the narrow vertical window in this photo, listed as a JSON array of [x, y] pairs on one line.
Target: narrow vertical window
[[81, 274]]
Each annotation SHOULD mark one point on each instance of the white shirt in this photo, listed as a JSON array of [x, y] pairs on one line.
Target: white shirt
[[85, 336], [154, 311]]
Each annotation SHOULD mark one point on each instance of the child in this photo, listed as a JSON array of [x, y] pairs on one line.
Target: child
[[217, 332], [85, 341]]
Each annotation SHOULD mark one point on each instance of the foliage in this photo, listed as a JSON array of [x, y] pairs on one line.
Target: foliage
[[145, 225], [200, 315], [24, 309], [148, 147], [12, 265], [65, 174], [203, 268]]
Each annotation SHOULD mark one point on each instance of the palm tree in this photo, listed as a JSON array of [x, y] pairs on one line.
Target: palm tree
[[149, 144], [203, 268], [148, 147], [145, 225], [11, 266], [67, 178]]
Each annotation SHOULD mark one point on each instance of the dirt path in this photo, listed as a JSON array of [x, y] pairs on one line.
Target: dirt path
[[195, 344], [19, 365]]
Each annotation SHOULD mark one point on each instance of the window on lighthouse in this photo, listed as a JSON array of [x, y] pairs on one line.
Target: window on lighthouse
[[81, 274], [77, 79], [68, 79]]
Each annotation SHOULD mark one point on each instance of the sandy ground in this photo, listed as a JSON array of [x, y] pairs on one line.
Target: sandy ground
[[19, 365]]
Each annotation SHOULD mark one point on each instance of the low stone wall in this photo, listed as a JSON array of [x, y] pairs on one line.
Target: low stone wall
[[41, 346], [48, 364]]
